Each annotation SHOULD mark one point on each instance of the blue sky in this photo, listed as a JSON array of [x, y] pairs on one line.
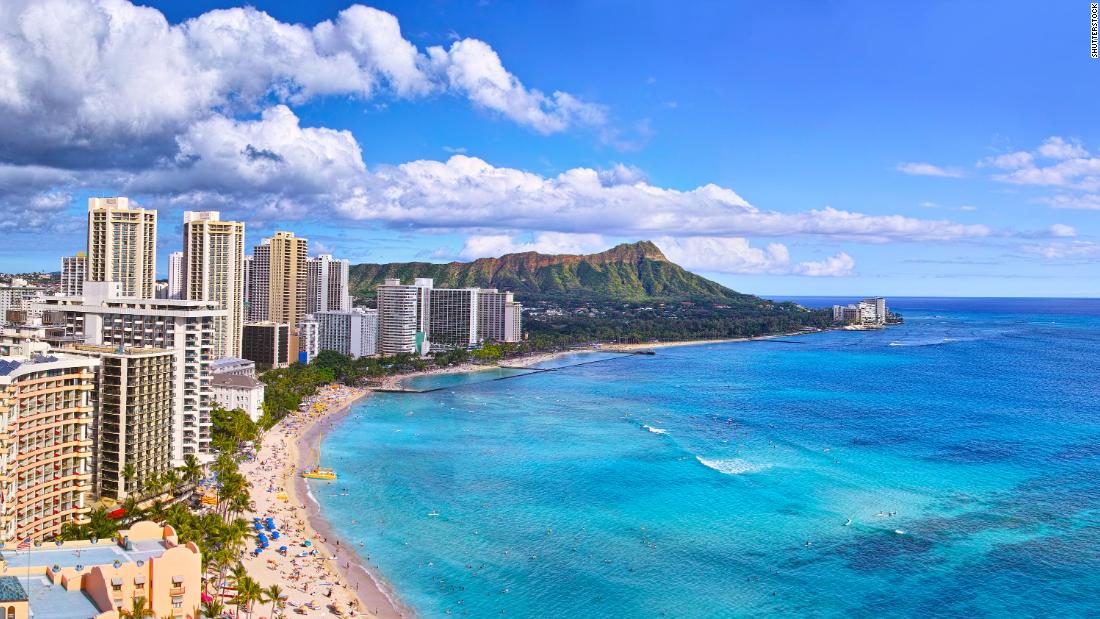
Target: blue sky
[[842, 148]]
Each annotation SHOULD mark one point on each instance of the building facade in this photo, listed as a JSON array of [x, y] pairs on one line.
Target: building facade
[[45, 419], [513, 321], [309, 338], [144, 561], [175, 276], [353, 333], [278, 274], [453, 318], [132, 433], [122, 245], [499, 316], [233, 391], [267, 344], [74, 270], [17, 299], [213, 270], [101, 317], [327, 285], [400, 314], [871, 311]]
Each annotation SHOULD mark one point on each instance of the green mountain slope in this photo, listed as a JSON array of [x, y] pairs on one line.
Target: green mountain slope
[[631, 272]]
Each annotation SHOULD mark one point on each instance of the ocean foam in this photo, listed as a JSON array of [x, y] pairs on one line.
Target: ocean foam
[[732, 466], [655, 430]]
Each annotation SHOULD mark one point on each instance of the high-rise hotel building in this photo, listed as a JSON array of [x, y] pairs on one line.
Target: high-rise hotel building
[[213, 270], [353, 332], [175, 275], [74, 270], [277, 290], [122, 245], [105, 318], [327, 285], [133, 417], [45, 423], [498, 316], [403, 316], [453, 318]]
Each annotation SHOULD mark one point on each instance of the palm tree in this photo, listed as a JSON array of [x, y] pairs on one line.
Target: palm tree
[[154, 485], [156, 511], [130, 506], [128, 473], [273, 594], [212, 609], [238, 576], [192, 470], [248, 591], [139, 610]]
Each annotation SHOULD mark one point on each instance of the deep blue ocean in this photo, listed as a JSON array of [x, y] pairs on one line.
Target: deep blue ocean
[[946, 467]]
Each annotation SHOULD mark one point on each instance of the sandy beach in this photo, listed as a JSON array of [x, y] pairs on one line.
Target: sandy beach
[[323, 574]]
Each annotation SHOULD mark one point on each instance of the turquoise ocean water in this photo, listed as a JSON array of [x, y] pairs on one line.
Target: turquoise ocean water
[[946, 467]]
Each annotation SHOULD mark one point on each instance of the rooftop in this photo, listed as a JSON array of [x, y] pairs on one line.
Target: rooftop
[[117, 350], [228, 362], [49, 601], [11, 590], [234, 380], [9, 364], [105, 552]]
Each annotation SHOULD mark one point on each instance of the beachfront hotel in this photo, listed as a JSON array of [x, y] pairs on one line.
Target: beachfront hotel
[[213, 270], [498, 316], [871, 311], [453, 318], [419, 317], [133, 417], [401, 320], [234, 391], [277, 286], [45, 419], [100, 579], [122, 245], [353, 332], [103, 317]]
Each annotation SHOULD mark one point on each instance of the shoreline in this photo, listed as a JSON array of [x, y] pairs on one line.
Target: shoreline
[[529, 360], [378, 597], [287, 449], [294, 444]]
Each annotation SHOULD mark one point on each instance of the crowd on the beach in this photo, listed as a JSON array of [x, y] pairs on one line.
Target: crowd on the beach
[[307, 571]]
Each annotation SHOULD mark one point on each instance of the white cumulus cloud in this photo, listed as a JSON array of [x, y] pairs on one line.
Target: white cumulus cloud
[[496, 245], [94, 82], [928, 169], [1064, 164], [737, 255]]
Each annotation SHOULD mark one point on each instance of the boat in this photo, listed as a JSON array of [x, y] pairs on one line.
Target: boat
[[433, 513], [320, 473]]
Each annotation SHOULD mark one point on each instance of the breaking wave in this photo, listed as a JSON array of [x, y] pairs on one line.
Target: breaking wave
[[732, 466]]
